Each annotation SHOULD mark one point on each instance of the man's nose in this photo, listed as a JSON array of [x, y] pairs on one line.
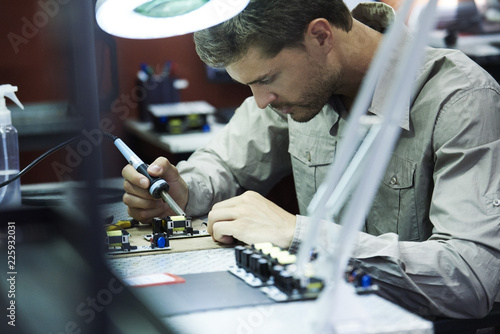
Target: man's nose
[[263, 97]]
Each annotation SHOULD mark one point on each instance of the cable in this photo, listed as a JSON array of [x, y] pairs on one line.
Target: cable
[[110, 136], [37, 160], [46, 154]]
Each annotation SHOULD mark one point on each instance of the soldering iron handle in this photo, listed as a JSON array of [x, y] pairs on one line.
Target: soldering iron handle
[[156, 185]]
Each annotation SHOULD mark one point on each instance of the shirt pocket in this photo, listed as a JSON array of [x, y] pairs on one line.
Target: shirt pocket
[[311, 157], [393, 209]]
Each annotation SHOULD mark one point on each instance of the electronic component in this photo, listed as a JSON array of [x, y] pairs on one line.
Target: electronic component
[[159, 238], [174, 227], [267, 266], [271, 268], [178, 225], [118, 240], [362, 282]]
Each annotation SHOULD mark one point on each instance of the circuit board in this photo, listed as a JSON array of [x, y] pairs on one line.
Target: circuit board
[[270, 269], [138, 249], [153, 237]]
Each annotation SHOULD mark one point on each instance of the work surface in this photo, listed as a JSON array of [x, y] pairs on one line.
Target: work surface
[[213, 301], [381, 316], [217, 303]]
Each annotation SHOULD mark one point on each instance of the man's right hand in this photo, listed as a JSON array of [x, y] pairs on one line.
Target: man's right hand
[[141, 205]]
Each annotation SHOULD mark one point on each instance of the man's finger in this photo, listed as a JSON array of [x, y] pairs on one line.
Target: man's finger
[[132, 189], [222, 232], [161, 167], [144, 216], [219, 214], [228, 203], [140, 203], [134, 177]]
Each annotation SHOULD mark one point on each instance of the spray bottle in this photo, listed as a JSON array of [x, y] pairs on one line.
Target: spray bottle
[[10, 195]]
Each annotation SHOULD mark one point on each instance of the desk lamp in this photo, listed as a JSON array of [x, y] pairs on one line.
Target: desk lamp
[[150, 19]]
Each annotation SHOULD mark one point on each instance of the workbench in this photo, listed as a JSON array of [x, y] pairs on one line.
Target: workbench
[[201, 257], [214, 301]]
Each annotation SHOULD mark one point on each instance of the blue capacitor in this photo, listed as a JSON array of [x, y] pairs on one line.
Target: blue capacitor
[[161, 242], [366, 281]]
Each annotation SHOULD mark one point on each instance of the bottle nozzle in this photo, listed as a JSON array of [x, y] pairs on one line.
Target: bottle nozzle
[[9, 91]]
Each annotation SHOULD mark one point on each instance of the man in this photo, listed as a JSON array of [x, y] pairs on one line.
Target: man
[[432, 238]]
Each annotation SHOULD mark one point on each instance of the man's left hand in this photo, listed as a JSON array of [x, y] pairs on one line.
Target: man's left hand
[[251, 218]]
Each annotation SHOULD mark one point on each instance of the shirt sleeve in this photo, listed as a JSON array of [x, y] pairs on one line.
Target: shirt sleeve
[[455, 273], [250, 153]]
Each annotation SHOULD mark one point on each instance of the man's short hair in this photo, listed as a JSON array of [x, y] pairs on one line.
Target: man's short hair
[[270, 25]]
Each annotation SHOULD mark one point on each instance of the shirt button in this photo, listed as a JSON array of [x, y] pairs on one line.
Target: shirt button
[[496, 202], [394, 180], [308, 156]]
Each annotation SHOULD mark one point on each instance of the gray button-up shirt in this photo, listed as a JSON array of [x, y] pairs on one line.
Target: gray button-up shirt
[[432, 238]]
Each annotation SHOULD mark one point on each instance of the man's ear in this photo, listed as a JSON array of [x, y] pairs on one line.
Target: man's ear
[[320, 34]]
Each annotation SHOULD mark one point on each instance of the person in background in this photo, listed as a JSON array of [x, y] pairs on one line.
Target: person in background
[[432, 238]]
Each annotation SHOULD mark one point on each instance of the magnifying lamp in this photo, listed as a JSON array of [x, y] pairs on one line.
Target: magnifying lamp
[[150, 19]]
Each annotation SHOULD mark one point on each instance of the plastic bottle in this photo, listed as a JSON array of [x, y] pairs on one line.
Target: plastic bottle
[[10, 195]]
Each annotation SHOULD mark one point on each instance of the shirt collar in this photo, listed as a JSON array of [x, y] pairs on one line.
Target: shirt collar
[[379, 16]]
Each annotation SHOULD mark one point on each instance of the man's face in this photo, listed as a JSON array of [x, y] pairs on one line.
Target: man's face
[[293, 82]]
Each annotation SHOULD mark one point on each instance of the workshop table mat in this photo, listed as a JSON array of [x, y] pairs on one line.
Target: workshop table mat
[[201, 292]]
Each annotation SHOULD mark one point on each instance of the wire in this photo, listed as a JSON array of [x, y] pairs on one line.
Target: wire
[[37, 160], [110, 136], [46, 154]]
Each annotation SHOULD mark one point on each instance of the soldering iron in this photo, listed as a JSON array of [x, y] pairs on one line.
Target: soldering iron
[[158, 187]]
